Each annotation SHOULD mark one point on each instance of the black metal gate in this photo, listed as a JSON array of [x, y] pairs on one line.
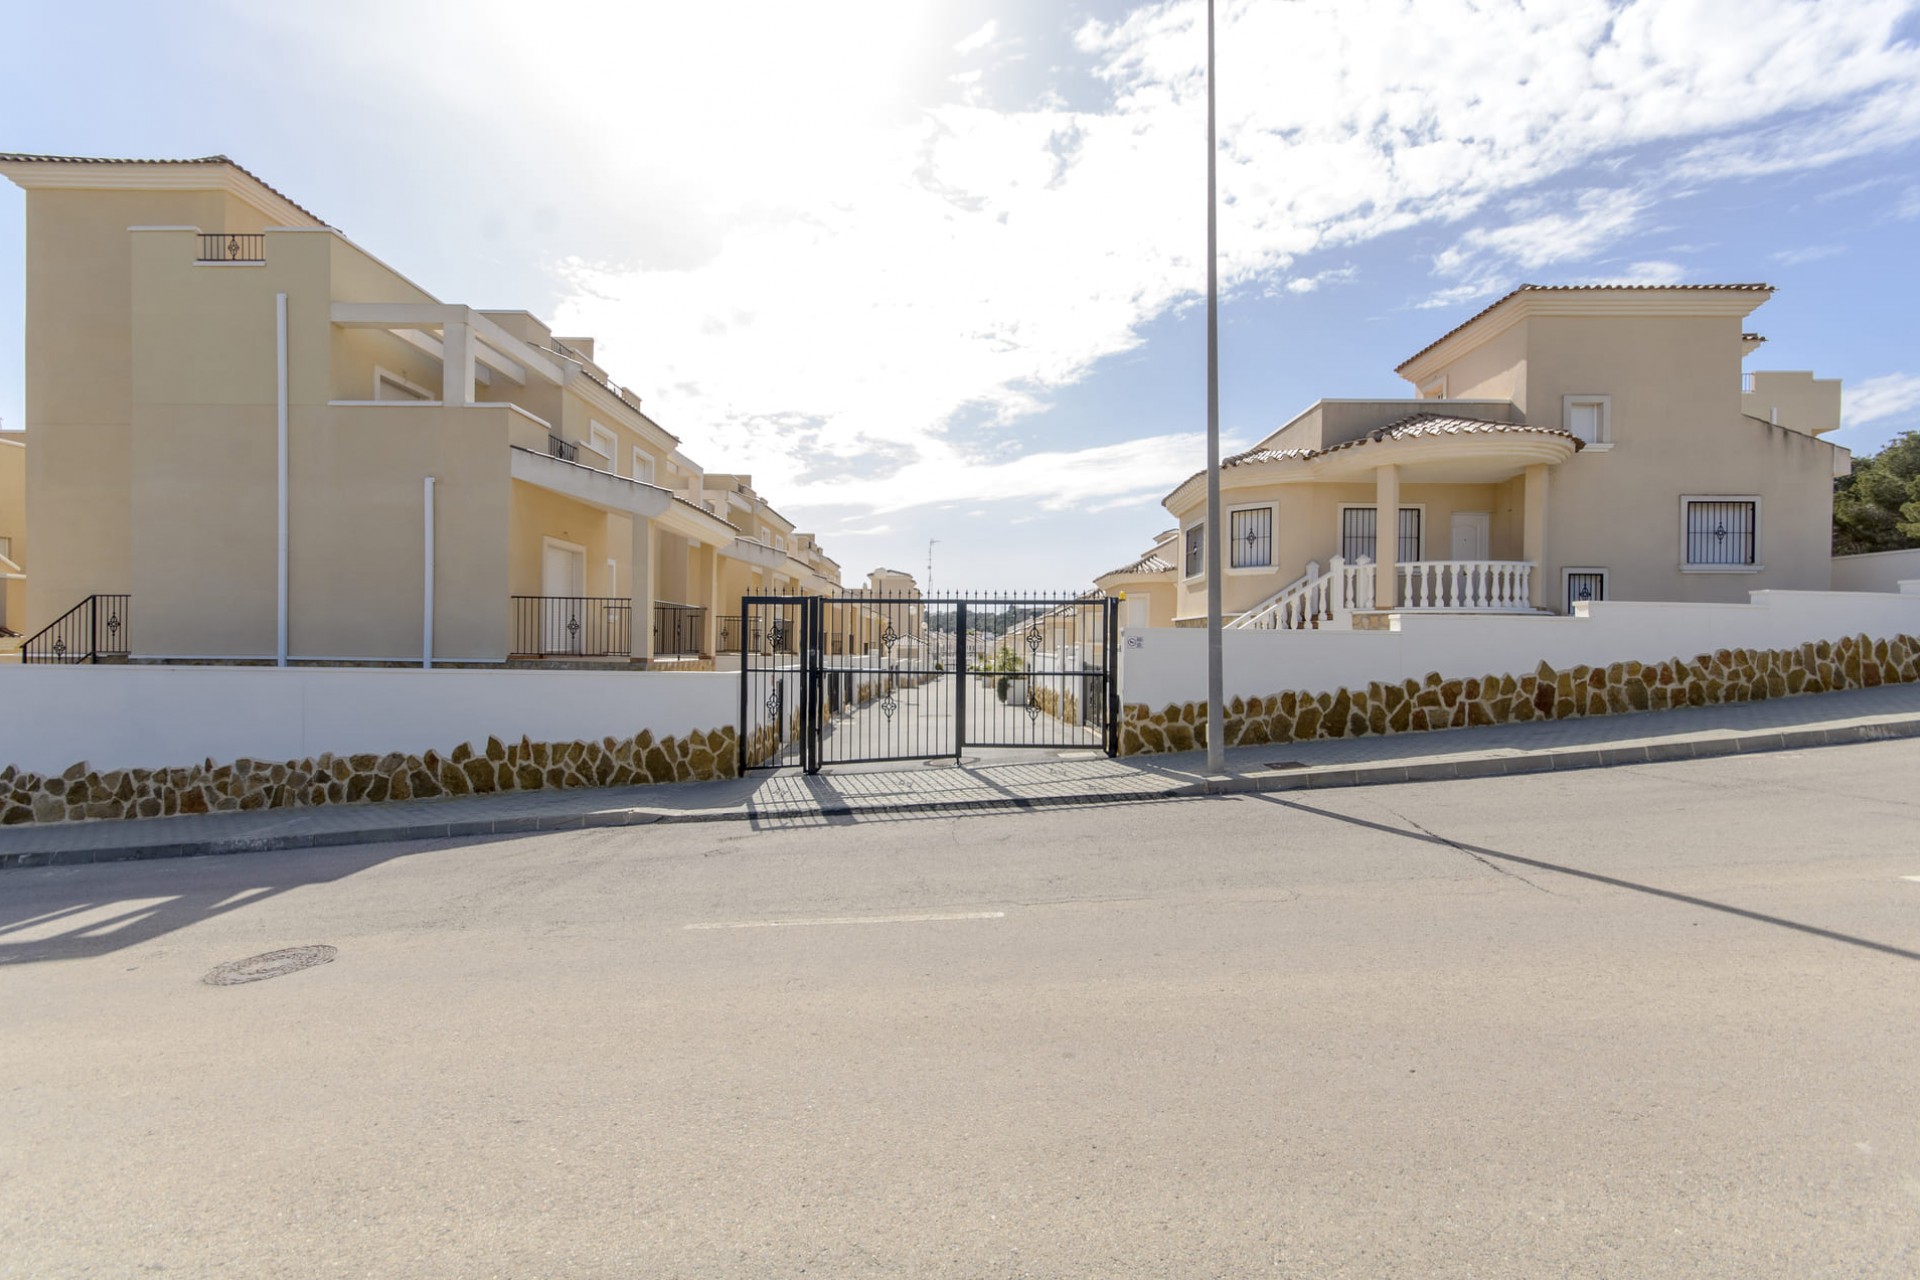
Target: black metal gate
[[860, 679]]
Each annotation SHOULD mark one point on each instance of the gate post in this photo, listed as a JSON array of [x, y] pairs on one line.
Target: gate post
[[1113, 677], [746, 663], [810, 644], [960, 680]]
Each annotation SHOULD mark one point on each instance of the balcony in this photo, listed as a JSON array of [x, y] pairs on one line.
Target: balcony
[[571, 627], [679, 630]]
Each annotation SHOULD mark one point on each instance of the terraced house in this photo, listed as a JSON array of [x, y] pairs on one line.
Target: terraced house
[[253, 440], [1566, 444]]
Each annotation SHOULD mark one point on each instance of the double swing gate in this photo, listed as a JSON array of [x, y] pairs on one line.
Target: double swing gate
[[859, 679]]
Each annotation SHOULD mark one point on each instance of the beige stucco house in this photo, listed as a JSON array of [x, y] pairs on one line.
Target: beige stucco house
[[13, 542], [1565, 444], [281, 448]]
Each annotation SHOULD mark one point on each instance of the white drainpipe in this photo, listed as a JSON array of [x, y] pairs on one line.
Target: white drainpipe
[[426, 603], [280, 361]]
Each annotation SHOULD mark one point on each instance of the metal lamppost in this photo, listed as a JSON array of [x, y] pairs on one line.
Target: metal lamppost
[[1212, 537]]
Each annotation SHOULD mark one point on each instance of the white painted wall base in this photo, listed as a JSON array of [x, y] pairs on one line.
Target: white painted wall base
[[117, 717], [1163, 665]]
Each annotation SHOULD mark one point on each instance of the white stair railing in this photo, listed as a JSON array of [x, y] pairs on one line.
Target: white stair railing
[[1286, 609], [1315, 600], [1491, 586]]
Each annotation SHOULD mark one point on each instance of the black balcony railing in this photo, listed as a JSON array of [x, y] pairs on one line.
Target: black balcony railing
[[572, 627], [727, 634], [678, 629], [232, 248], [96, 628], [565, 450]]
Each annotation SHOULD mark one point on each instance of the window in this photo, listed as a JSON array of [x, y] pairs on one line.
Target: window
[[1360, 534], [1590, 418], [1721, 533], [1250, 533], [602, 442], [779, 543], [1196, 550], [1584, 586], [643, 465]]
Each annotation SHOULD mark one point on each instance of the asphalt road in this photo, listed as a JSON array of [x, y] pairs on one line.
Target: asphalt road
[[1656, 1021]]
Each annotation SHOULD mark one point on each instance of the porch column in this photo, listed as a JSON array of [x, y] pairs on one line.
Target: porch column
[[642, 572], [710, 633], [1533, 536], [456, 368], [1386, 524]]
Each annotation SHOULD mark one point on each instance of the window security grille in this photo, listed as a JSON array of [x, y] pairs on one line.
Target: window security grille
[[1720, 532], [1585, 587], [1360, 534], [1252, 542], [1409, 534], [1196, 549]]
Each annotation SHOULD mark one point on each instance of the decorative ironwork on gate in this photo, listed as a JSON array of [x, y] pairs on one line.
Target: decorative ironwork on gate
[[856, 679]]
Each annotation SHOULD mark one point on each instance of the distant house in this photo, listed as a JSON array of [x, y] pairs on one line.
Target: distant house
[[1565, 444], [457, 482]]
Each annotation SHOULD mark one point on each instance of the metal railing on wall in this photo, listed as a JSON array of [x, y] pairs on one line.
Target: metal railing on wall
[[98, 627], [572, 626], [679, 630], [233, 248]]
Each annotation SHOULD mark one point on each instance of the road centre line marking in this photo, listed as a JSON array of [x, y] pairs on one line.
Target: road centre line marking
[[788, 924], [1915, 879]]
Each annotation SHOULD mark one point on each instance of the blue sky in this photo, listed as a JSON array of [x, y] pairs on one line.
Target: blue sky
[[933, 271]]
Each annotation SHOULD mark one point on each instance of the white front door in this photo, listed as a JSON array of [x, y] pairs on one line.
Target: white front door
[[1471, 530], [563, 573]]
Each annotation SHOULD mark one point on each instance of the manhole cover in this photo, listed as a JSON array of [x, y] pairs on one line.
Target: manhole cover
[[270, 964]]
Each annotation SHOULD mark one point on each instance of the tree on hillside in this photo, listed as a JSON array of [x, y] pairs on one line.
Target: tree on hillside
[[1877, 508]]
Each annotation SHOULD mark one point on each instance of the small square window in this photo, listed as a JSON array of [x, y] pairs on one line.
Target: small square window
[[1722, 532], [1585, 586], [1589, 417]]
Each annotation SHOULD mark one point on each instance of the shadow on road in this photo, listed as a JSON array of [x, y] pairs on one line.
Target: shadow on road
[[70, 914], [1760, 917]]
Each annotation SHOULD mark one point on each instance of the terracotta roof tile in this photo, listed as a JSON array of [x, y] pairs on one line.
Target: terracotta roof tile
[[32, 159], [1148, 563], [1414, 427], [1578, 288]]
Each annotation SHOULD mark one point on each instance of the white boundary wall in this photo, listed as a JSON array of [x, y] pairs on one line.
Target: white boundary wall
[[1162, 665], [1878, 571], [116, 717]]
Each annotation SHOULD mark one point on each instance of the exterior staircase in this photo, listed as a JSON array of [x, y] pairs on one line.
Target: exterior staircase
[[95, 630], [1315, 600]]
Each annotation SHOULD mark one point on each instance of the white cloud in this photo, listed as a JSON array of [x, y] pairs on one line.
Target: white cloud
[[1808, 253], [1879, 398], [865, 254], [980, 39]]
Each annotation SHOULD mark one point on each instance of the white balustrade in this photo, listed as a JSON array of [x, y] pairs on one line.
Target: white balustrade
[[1477, 586]]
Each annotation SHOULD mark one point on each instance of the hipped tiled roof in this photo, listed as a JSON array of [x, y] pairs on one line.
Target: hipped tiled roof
[[1415, 427], [1582, 288], [1148, 563], [31, 159]]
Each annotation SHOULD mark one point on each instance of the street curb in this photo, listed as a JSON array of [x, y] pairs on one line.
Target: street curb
[[1485, 765]]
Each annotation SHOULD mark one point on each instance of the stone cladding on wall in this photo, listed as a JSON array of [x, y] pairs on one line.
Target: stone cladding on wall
[[83, 793], [1437, 702]]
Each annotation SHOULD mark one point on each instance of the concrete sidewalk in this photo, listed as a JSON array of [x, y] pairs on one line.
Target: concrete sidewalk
[[1045, 778]]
